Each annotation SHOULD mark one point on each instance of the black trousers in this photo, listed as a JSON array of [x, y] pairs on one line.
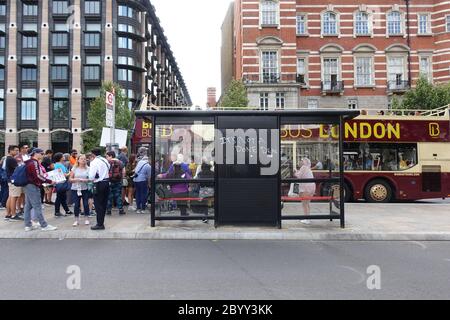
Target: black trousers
[[101, 201]]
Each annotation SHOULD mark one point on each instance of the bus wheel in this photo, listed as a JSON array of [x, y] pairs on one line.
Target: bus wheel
[[378, 191], [333, 190]]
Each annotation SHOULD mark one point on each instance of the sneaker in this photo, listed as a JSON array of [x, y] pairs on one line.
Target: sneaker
[[69, 213], [59, 215], [122, 212], [75, 224], [86, 223], [92, 214], [132, 208], [139, 211], [305, 221], [6, 218], [2, 208], [49, 228], [28, 229], [97, 227], [205, 220], [108, 212], [16, 218], [35, 225]]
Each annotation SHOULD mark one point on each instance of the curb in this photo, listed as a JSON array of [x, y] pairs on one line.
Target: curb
[[229, 235]]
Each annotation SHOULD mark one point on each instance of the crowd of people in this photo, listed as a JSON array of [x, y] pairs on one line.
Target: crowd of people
[[93, 183]]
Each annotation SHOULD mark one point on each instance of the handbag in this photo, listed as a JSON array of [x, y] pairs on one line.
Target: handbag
[[63, 187], [124, 182]]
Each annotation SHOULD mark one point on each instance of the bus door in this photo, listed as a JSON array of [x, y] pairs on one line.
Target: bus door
[[431, 179]]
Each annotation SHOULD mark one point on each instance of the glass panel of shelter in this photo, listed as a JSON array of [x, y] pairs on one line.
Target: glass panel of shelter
[[310, 169], [184, 152]]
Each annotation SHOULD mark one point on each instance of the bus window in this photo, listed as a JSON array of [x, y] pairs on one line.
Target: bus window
[[379, 156]]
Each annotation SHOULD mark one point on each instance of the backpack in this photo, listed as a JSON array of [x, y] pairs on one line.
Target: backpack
[[3, 174], [19, 178], [115, 171]]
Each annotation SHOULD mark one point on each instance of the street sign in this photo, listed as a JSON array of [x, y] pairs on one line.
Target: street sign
[[110, 100]]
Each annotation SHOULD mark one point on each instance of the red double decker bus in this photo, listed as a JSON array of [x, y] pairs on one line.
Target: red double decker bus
[[386, 157]]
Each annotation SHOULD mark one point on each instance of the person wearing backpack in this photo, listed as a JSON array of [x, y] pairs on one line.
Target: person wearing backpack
[[14, 192], [35, 178], [141, 180], [116, 174]]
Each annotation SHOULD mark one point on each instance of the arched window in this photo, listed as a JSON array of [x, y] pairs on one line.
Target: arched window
[[394, 23], [269, 12], [329, 23], [362, 23]]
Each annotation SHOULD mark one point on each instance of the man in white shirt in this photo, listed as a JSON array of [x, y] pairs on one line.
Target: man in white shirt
[[99, 174]]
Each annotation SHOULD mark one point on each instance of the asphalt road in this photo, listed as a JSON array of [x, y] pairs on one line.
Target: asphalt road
[[36, 269]]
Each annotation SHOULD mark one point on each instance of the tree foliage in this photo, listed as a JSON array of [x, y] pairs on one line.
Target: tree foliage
[[235, 96], [425, 96], [97, 116]]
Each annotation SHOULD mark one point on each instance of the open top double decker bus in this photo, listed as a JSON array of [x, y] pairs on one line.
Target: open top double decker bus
[[403, 156]]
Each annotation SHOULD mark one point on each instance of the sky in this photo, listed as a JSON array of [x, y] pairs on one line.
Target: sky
[[194, 34]]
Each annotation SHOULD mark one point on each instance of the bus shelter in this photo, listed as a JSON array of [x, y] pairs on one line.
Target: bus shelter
[[247, 167]]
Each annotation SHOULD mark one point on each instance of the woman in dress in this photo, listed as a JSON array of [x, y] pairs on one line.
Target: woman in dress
[[306, 189]]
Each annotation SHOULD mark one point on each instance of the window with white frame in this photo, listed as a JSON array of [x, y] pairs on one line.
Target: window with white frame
[[424, 23], [264, 101], [425, 68], [313, 104], [364, 71], [270, 66], [279, 100], [447, 23], [396, 71], [28, 110], [301, 70], [329, 23], [330, 72], [394, 23], [362, 23], [269, 12], [301, 24]]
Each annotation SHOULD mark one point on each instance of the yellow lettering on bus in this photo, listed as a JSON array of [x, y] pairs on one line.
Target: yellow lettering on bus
[[349, 130], [335, 132], [393, 130], [146, 125], [322, 133], [164, 132], [367, 133], [434, 130], [295, 136], [285, 132], [379, 130]]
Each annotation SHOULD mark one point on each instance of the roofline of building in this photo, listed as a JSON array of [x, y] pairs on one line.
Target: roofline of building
[[150, 8]]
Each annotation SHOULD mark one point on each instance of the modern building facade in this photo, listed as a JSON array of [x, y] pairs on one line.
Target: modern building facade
[[54, 56], [338, 54], [211, 98]]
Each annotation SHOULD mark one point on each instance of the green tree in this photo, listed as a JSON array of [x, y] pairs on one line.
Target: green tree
[[97, 116], [426, 96], [235, 96]]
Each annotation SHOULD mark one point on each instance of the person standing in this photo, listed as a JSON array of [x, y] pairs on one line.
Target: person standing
[[35, 178], [123, 157], [47, 163], [142, 177], [308, 189], [99, 173], [79, 177], [14, 192], [61, 195], [115, 187], [129, 174], [73, 158]]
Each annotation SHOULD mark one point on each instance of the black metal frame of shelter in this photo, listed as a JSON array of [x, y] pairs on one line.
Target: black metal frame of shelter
[[283, 117]]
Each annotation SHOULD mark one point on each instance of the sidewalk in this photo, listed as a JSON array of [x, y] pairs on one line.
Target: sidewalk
[[425, 221]]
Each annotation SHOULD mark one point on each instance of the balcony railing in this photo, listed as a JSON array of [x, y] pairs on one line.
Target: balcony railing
[[332, 87], [272, 78], [398, 85]]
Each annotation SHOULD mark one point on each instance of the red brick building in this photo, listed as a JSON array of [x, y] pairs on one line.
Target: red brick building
[[337, 54]]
